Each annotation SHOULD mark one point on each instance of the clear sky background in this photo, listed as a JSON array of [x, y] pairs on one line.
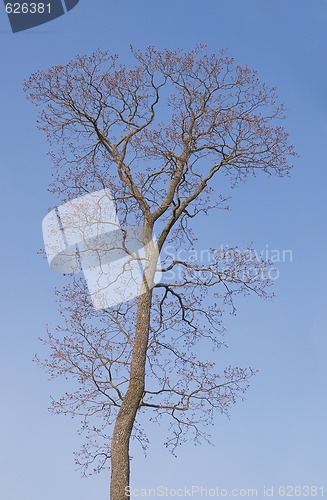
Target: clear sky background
[[278, 435]]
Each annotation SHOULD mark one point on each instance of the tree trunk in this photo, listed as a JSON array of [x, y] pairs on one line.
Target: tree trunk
[[120, 467]]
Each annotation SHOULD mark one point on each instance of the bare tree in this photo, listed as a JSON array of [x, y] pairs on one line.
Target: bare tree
[[156, 136]]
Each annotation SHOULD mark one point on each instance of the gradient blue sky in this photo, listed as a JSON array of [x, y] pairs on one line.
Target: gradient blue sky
[[278, 435]]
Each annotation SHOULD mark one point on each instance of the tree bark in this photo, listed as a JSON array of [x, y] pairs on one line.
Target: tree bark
[[120, 462]]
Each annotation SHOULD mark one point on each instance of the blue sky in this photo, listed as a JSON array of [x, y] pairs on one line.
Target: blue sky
[[278, 435]]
